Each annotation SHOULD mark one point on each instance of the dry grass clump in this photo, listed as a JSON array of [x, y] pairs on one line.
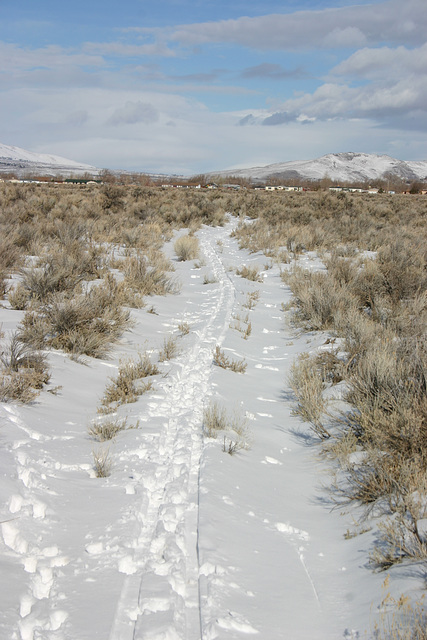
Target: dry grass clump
[[236, 436], [89, 323], [242, 324], [10, 260], [24, 371], [169, 350], [221, 360], [40, 283], [187, 247], [214, 419], [129, 384], [184, 328], [400, 618], [146, 279], [252, 298], [308, 388], [318, 299], [250, 273], [102, 462], [108, 429]]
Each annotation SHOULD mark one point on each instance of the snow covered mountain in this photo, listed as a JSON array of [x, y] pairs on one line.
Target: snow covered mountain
[[22, 162], [340, 167]]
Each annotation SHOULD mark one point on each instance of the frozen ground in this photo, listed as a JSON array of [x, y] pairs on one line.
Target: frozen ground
[[182, 541]]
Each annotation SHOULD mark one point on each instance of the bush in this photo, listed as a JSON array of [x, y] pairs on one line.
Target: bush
[[124, 389], [102, 463], [318, 299], [87, 324], [169, 350], [187, 248], [236, 436], [24, 371], [221, 360], [214, 419], [308, 387], [250, 273], [107, 430], [147, 280]]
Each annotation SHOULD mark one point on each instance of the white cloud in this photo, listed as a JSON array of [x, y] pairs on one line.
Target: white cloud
[[392, 21], [128, 50], [341, 101], [384, 62], [272, 70], [133, 113], [14, 58]]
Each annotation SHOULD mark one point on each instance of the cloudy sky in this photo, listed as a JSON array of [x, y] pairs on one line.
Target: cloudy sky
[[188, 86]]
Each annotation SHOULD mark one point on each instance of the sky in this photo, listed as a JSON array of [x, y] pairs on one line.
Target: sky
[[191, 86]]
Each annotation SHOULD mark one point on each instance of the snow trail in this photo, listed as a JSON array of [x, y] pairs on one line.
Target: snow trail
[[160, 596]]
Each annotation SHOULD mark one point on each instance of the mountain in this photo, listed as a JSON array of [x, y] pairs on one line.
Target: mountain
[[339, 167], [22, 162]]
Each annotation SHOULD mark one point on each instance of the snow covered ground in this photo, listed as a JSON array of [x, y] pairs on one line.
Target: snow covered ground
[[182, 541]]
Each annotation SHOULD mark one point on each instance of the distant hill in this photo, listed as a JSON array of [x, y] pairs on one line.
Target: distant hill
[[22, 162], [339, 167]]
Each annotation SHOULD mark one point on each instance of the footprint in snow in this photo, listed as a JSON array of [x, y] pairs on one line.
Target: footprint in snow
[[268, 460]]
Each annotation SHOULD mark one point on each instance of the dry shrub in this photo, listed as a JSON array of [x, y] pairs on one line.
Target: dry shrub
[[221, 360], [107, 429], [214, 419], [10, 260], [128, 384], [187, 248], [145, 279], [24, 371], [236, 436], [402, 264], [400, 618], [318, 299], [250, 273], [184, 328], [41, 282], [308, 387], [395, 545], [88, 323], [252, 298], [102, 463], [342, 269], [387, 388], [10, 255], [169, 350], [18, 297]]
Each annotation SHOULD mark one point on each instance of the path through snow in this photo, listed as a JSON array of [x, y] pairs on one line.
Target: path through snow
[[160, 599]]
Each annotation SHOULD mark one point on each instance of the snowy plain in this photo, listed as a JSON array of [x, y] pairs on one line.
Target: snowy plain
[[182, 541]]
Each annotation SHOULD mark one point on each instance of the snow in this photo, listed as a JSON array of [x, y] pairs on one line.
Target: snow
[[15, 158], [182, 541], [340, 167]]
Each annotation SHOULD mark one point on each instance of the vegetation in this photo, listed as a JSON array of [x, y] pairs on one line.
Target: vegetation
[[221, 360], [73, 259]]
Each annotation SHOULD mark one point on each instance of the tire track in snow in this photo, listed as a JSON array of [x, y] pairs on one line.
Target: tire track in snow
[[160, 595]]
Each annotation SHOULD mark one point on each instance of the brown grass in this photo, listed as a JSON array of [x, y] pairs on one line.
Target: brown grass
[[129, 384], [221, 360]]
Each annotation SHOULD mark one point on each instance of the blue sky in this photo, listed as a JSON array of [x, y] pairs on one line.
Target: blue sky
[[189, 86]]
